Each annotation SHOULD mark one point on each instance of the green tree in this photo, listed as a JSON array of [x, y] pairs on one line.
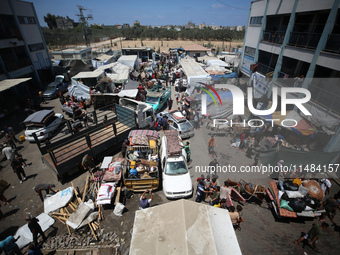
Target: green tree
[[50, 20]]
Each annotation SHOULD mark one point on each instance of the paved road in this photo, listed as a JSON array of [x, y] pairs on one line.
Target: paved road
[[261, 233]]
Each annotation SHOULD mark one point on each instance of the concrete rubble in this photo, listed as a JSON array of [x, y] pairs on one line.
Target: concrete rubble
[[86, 240]]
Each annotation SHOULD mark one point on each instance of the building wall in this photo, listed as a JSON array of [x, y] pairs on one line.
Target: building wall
[[29, 36]]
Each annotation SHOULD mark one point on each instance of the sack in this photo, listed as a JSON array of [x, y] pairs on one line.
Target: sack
[[297, 204], [118, 209], [315, 190], [284, 205], [289, 185]]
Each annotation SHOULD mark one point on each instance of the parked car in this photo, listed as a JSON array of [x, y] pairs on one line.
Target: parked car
[[43, 124], [55, 87], [176, 176], [177, 121]]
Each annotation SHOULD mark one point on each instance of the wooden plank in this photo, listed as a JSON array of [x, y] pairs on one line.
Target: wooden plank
[[117, 195], [85, 190], [76, 193]]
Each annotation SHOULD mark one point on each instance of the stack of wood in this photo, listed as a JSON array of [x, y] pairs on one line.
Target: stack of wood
[[66, 211]]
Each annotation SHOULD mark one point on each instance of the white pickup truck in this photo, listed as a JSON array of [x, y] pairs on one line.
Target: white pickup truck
[[176, 177]]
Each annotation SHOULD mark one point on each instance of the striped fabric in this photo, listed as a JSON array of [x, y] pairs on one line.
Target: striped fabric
[[282, 212], [151, 133]]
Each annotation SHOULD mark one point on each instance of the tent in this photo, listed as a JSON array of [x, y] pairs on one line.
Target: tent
[[303, 126], [79, 90], [183, 227]]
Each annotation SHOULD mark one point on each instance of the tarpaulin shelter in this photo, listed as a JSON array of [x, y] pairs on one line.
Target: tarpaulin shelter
[[79, 90], [183, 227], [303, 126], [218, 111], [294, 157]]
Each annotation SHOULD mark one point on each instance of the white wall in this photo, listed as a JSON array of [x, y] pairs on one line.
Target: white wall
[[272, 48], [300, 54], [280, 7], [257, 8], [314, 5], [23, 8], [329, 60], [252, 37], [5, 8]]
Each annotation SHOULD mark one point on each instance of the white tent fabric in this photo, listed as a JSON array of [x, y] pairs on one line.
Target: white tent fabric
[[25, 233], [79, 90], [183, 227], [128, 93], [217, 62]]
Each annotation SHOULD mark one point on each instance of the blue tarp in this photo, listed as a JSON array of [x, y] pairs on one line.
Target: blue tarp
[[219, 76]]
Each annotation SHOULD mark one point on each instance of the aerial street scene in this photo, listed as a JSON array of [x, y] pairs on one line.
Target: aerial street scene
[[181, 127]]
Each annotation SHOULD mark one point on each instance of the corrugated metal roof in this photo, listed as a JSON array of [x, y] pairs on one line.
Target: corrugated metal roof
[[93, 74], [192, 68], [9, 83]]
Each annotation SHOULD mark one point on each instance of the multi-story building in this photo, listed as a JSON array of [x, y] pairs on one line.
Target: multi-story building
[[23, 51], [297, 43], [64, 23]]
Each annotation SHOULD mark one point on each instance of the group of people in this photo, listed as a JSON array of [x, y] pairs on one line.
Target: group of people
[[209, 191], [9, 149]]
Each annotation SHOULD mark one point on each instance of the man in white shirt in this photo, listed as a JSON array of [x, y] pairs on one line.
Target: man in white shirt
[[8, 151]]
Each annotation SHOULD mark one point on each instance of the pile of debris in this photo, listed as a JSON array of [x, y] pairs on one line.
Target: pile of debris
[[82, 210], [84, 241]]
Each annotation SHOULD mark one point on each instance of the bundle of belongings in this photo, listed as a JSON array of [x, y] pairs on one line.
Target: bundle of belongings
[[114, 171], [298, 196], [105, 193]]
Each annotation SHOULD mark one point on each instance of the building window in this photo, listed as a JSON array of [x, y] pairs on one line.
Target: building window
[[36, 47], [249, 51], [26, 20], [256, 20]]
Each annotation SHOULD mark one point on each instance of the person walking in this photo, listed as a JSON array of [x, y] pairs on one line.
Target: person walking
[[256, 158], [18, 169], [314, 233], [35, 228], [187, 150], [11, 132], [170, 101], [176, 96], [211, 145], [43, 187]]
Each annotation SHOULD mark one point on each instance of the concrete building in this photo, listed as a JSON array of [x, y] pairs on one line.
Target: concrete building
[[23, 51], [144, 53], [64, 23], [196, 50], [80, 53], [296, 43], [239, 28]]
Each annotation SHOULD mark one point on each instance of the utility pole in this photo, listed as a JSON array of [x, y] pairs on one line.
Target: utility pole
[[84, 23]]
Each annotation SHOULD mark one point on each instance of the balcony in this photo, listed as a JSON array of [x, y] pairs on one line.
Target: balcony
[[327, 99], [304, 40], [273, 36], [333, 43], [263, 69]]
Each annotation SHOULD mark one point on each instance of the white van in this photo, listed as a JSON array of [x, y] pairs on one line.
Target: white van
[[176, 177], [144, 112]]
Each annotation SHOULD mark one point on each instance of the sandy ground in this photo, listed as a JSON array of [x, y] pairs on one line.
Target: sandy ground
[[163, 45]]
